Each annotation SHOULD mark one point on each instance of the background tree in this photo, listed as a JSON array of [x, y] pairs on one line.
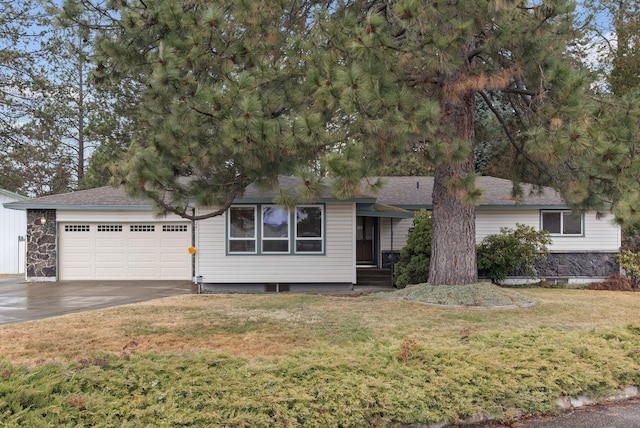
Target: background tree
[[615, 27], [404, 72], [47, 101], [608, 172], [25, 39]]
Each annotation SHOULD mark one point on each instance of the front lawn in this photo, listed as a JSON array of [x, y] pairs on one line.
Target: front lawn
[[310, 360]]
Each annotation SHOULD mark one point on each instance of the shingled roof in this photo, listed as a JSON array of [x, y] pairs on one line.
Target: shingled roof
[[415, 192], [405, 192], [106, 197]]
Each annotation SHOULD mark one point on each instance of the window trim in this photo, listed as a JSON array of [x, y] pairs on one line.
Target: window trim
[[561, 213], [265, 238], [255, 234], [296, 238], [258, 219]]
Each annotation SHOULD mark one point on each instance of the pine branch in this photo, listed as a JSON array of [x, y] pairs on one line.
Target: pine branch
[[498, 116]]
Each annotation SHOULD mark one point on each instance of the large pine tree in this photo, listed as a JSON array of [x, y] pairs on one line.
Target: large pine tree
[[409, 72]]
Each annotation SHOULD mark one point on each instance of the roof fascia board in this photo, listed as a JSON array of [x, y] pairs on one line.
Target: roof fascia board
[[365, 213], [13, 194], [23, 207], [318, 200], [495, 207]]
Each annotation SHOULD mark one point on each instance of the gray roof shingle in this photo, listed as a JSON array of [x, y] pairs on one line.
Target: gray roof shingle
[[418, 191], [397, 191]]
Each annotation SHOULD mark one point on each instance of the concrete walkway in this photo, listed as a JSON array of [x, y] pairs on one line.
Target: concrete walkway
[[21, 301], [620, 414]]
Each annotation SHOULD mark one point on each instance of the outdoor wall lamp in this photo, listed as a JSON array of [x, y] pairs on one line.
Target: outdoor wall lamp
[[40, 221]]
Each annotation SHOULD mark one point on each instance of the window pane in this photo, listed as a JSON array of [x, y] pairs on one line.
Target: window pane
[[242, 222], [309, 246], [242, 246], [275, 246], [571, 225], [309, 222], [551, 222], [275, 222]]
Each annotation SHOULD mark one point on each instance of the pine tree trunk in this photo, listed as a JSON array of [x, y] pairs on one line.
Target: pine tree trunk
[[453, 247]]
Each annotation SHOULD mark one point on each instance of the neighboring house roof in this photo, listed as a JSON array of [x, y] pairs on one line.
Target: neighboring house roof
[[12, 195], [396, 195]]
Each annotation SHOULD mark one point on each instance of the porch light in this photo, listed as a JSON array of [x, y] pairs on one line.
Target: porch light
[[40, 221]]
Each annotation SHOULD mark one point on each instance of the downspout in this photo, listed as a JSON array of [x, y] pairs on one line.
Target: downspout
[[193, 258]]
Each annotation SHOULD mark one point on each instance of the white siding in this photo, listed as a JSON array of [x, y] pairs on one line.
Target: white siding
[[600, 235], [13, 225], [400, 231], [337, 265], [489, 222]]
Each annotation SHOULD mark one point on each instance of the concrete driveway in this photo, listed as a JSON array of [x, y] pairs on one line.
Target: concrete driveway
[[21, 301]]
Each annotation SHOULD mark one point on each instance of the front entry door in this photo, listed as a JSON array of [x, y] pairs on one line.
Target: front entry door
[[365, 240]]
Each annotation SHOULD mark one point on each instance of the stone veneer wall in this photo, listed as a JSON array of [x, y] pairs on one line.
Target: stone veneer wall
[[571, 265], [556, 265], [41, 245]]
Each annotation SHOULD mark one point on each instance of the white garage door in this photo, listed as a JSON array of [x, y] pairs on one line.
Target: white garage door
[[117, 251]]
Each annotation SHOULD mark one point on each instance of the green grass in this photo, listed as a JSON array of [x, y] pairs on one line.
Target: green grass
[[316, 361]]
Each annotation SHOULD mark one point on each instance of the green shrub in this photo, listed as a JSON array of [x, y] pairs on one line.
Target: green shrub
[[511, 250], [630, 262], [631, 237], [415, 257]]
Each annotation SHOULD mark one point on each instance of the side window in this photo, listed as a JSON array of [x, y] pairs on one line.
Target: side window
[[275, 229], [309, 229], [242, 230], [561, 223]]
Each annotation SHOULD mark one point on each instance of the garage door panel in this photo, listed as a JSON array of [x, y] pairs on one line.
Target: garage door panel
[[142, 273], [169, 258], [80, 273], [125, 251], [78, 257], [110, 243], [172, 274], [106, 257], [142, 244], [174, 242], [109, 273], [143, 258]]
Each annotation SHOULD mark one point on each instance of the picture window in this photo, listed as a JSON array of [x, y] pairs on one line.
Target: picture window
[[561, 223]]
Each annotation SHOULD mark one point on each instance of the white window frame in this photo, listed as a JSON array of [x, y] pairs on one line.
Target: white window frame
[[321, 238], [562, 214], [264, 238], [255, 230]]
